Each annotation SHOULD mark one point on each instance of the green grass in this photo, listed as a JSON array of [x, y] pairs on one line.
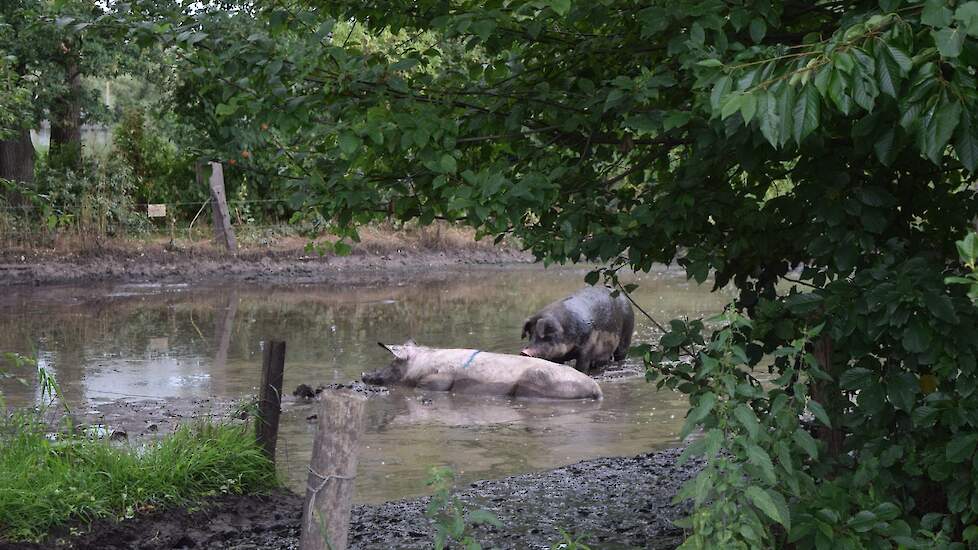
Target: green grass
[[48, 484]]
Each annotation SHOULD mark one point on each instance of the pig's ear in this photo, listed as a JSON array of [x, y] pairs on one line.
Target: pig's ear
[[399, 352], [527, 327], [548, 326]]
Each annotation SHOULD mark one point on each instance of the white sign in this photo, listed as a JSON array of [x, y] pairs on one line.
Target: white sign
[[156, 210]]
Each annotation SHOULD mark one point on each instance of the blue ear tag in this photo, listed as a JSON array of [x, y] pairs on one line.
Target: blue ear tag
[[471, 357]]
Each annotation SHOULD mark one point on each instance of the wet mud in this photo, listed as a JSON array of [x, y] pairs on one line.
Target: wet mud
[[616, 503]]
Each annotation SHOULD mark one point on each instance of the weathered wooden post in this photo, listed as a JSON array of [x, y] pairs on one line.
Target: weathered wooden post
[[329, 490], [270, 397], [223, 231]]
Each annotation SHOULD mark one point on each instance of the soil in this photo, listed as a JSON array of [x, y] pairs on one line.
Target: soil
[[613, 502], [162, 264]]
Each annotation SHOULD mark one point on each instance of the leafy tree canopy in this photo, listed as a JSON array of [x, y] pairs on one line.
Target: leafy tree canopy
[[817, 155]]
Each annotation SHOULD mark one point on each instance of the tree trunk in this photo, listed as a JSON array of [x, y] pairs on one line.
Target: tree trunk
[[17, 162], [66, 115], [829, 395]]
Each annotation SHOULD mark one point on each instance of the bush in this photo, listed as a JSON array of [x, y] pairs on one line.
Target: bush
[[162, 173], [97, 198]]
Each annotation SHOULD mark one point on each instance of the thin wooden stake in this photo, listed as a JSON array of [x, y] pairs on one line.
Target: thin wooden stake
[[270, 397], [332, 471]]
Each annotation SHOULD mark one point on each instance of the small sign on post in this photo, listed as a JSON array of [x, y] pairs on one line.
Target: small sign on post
[[156, 210]]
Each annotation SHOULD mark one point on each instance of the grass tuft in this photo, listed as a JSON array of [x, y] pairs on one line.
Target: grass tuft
[[48, 484]]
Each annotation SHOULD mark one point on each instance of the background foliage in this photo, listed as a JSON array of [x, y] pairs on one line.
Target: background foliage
[[817, 155]]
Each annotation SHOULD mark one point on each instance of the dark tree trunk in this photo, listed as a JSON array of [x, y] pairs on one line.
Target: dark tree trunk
[[17, 162], [829, 395], [66, 116]]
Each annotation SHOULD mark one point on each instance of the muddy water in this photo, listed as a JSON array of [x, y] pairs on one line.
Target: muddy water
[[180, 343]]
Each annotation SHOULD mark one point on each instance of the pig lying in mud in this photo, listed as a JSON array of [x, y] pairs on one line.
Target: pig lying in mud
[[480, 372], [589, 326]]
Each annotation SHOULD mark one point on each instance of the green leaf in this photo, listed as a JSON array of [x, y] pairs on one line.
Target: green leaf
[[940, 306], [342, 249], [939, 129], [786, 106], [887, 70], [765, 501], [745, 415], [712, 62], [349, 142], [838, 85], [858, 378], [807, 112], [748, 107], [712, 442], [884, 147], [949, 41], [770, 119], [731, 104], [966, 144], [862, 521], [592, 277], [901, 389], [758, 29], [800, 304], [902, 59], [560, 7], [924, 416], [936, 14], [968, 247], [448, 164], [484, 517], [702, 409], [720, 89], [961, 447], [819, 411], [807, 443], [967, 15], [759, 458]]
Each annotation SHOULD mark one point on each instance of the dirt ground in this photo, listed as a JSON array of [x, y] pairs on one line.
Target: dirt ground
[[614, 502], [285, 260]]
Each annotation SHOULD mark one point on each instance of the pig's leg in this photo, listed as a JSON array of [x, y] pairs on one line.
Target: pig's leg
[[438, 382], [584, 361], [625, 341]]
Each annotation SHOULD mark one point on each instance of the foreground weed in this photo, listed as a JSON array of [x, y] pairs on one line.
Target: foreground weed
[[448, 513], [570, 542], [74, 480]]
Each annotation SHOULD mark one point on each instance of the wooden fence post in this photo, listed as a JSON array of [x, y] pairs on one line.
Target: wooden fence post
[[223, 231], [329, 490], [270, 397]]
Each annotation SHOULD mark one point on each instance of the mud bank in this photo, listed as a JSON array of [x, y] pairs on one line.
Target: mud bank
[[159, 265], [616, 502]]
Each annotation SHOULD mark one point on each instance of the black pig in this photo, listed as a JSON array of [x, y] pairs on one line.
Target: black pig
[[589, 326]]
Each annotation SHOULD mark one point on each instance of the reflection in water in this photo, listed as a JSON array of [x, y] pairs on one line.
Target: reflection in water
[[152, 341]]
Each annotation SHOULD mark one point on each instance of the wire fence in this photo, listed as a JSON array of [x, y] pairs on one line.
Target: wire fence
[[29, 224]]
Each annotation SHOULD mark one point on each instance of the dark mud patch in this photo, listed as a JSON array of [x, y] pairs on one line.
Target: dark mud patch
[[305, 392], [614, 502]]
